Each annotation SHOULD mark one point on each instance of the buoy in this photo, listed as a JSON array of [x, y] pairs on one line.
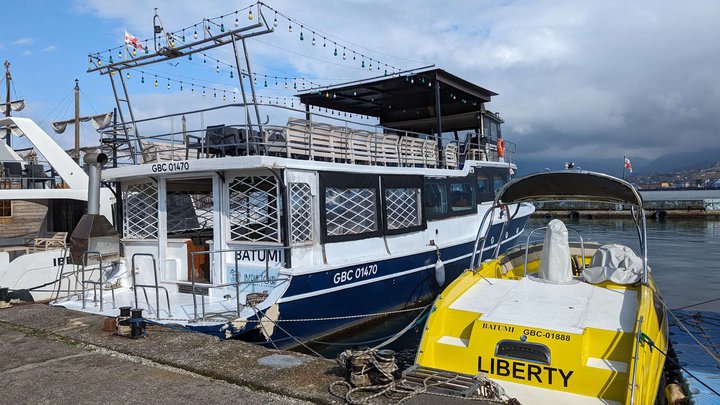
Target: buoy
[[674, 394], [574, 215], [440, 272], [548, 216], [662, 214]]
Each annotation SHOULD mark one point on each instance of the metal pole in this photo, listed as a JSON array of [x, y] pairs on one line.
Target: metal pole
[[252, 85], [8, 77], [248, 122], [77, 121], [438, 121]]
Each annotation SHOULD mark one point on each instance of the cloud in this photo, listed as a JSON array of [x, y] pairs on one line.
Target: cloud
[[49, 48], [575, 79], [24, 41], [26, 52]]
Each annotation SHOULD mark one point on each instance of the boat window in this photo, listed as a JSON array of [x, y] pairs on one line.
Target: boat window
[[140, 210], [499, 180], [403, 208], [436, 203], [484, 191], [301, 218], [254, 209], [350, 211], [5, 208], [189, 211], [462, 197]]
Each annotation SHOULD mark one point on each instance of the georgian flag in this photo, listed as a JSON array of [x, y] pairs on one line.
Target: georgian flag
[[628, 166], [130, 40]]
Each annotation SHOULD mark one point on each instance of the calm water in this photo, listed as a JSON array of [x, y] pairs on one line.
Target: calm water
[[684, 256], [680, 195]]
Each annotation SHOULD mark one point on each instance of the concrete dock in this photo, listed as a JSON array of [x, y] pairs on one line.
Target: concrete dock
[[54, 355]]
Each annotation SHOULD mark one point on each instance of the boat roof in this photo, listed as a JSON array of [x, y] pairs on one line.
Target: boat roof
[[570, 185], [408, 101]]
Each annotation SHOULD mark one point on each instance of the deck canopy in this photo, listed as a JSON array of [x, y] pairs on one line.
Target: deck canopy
[[408, 101], [569, 185]]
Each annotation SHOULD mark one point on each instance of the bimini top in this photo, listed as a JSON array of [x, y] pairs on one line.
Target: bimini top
[[408, 101], [569, 185]]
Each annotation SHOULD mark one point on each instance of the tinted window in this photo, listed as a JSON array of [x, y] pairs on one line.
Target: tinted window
[[462, 197], [499, 181], [484, 190], [436, 203]]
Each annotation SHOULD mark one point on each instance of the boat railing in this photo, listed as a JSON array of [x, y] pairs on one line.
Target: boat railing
[[636, 357], [16, 174], [236, 283], [542, 228], [99, 284], [305, 135], [157, 287]]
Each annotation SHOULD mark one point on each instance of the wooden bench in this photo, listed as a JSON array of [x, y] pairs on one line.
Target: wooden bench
[[57, 240]]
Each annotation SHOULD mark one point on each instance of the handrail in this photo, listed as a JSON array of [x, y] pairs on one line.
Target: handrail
[[157, 286], [237, 281], [635, 360], [99, 283], [527, 247]]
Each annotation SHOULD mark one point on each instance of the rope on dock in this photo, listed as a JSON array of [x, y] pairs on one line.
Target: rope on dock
[[373, 374]]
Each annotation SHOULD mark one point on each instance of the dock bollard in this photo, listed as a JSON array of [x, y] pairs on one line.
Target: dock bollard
[[122, 323], [137, 324], [5, 298]]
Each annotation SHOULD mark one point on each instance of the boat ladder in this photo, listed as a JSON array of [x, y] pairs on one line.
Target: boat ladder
[[440, 381], [96, 285]]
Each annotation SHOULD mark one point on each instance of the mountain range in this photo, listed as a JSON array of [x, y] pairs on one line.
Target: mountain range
[[673, 162]]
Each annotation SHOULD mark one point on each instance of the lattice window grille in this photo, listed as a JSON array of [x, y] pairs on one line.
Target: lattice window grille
[[350, 211], [140, 211], [189, 211], [402, 206], [254, 209], [301, 217]]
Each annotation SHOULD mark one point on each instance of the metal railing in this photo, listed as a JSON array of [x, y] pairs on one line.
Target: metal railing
[[635, 360], [99, 284], [236, 283], [181, 143], [28, 174], [155, 286]]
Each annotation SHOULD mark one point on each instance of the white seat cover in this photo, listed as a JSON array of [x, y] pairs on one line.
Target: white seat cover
[[555, 266]]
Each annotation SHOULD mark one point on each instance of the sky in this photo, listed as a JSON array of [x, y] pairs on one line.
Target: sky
[[576, 80]]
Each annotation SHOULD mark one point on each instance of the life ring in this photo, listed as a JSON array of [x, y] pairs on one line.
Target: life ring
[[500, 147]]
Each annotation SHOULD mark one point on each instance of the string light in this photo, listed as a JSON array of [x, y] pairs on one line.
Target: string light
[[237, 22], [156, 83], [275, 23], [127, 74], [195, 33], [142, 78], [250, 16], [222, 25]]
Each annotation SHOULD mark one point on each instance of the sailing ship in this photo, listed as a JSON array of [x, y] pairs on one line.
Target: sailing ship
[[282, 232], [554, 321]]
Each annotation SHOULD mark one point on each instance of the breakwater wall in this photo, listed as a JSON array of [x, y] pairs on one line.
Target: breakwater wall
[[661, 209]]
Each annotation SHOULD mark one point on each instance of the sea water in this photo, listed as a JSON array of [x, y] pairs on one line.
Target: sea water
[[684, 257]]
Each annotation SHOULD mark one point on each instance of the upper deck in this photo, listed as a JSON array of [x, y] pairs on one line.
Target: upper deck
[[428, 119]]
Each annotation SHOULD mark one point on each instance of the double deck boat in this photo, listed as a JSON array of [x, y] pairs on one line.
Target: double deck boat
[[554, 321], [43, 195], [282, 231]]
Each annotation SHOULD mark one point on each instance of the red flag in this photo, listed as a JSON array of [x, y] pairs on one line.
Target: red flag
[[628, 166], [130, 40]]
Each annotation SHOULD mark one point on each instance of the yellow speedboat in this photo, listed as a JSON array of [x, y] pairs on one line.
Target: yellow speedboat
[[555, 321]]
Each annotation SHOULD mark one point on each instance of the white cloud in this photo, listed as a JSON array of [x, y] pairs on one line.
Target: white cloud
[[24, 41], [26, 52], [49, 48], [612, 76]]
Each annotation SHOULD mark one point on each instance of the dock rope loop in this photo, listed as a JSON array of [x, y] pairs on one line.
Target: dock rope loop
[[375, 372]]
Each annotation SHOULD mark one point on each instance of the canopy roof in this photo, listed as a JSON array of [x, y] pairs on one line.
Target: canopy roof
[[408, 101], [569, 185]]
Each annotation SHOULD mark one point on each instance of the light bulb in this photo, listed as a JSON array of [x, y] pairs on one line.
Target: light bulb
[[134, 52], [99, 62], [195, 34], [156, 84], [313, 40], [127, 75], [275, 21], [142, 79], [250, 16], [168, 86], [302, 38], [237, 22], [217, 69], [119, 54], [111, 59], [190, 57], [290, 28], [203, 92]]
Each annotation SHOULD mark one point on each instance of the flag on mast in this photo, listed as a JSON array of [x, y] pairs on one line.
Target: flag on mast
[[628, 166], [130, 40]]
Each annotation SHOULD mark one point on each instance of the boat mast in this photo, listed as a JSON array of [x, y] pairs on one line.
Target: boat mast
[[77, 122], [8, 77]]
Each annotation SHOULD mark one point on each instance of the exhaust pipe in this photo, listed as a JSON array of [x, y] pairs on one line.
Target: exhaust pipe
[[95, 161]]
